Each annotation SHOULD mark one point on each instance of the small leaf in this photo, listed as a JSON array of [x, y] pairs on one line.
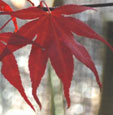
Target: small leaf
[[11, 73]]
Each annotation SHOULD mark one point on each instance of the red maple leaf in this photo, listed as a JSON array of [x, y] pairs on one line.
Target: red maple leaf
[[9, 64], [10, 42], [54, 30]]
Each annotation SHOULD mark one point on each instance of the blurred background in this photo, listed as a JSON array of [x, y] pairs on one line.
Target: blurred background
[[86, 98]]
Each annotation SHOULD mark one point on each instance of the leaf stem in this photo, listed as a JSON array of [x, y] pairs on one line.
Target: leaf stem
[[41, 5], [31, 2]]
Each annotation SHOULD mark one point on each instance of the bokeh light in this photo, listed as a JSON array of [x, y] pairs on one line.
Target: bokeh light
[[36, 2], [18, 3]]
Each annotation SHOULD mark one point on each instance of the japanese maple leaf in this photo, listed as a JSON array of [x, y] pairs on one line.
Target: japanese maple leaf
[[54, 30], [10, 68], [10, 42], [5, 7]]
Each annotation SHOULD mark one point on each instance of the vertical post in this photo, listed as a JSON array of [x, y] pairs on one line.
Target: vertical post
[[57, 98], [106, 105], [51, 88]]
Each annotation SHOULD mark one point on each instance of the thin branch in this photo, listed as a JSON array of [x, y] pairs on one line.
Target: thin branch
[[88, 5], [99, 5], [31, 2]]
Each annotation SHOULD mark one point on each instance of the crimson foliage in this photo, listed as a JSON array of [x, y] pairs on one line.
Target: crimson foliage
[[55, 41]]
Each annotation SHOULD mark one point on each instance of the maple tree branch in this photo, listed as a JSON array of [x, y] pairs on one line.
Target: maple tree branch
[[88, 5], [99, 5]]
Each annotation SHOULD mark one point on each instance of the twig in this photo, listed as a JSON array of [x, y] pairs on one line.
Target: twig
[[99, 5]]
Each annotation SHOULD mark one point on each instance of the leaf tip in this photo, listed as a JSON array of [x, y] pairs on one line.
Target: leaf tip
[[36, 98]]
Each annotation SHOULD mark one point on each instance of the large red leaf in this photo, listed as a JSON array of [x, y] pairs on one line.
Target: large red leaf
[[55, 34]]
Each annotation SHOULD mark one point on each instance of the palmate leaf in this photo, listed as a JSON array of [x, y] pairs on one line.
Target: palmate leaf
[[8, 65], [54, 33], [10, 42]]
